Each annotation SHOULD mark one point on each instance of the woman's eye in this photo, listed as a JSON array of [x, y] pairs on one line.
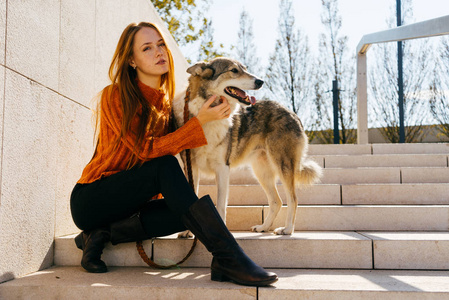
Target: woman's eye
[[146, 48], [234, 70]]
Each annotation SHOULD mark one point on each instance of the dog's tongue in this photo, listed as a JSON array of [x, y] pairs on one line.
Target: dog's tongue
[[251, 99]]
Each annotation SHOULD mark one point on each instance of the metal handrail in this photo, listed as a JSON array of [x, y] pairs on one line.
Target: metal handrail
[[429, 28]]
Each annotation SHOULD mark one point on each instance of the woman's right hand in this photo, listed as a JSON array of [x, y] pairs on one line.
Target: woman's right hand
[[207, 113]]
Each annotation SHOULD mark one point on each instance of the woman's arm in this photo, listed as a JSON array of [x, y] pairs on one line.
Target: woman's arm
[[189, 136]]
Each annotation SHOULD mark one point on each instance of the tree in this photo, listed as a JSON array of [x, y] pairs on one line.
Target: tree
[[289, 73], [335, 63], [207, 48], [245, 49], [188, 25], [439, 101], [181, 17], [384, 85]]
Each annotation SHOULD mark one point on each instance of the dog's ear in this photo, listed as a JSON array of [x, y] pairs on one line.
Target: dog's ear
[[201, 69], [196, 69]]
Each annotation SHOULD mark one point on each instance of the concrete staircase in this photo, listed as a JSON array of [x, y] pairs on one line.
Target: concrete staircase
[[377, 227]]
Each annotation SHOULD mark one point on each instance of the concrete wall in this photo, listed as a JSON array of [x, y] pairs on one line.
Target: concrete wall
[[54, 58], [432, 135]]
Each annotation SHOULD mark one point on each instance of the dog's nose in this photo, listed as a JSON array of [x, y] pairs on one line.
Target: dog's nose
[[258, 83]]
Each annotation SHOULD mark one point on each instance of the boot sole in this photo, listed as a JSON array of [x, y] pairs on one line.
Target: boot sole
[[219, 276], [96, 270]]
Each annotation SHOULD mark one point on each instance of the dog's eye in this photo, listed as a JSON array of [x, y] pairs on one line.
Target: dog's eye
[[234, 70]]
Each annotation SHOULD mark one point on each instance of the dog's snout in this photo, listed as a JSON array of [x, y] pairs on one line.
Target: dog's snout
[[258, 83]]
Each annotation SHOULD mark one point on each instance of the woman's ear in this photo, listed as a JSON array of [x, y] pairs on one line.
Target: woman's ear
[[132, 63]]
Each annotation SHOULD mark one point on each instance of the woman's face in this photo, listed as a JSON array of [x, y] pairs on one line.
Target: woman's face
[[150, 57]]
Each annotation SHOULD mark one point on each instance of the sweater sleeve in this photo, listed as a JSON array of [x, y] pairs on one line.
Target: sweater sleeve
[[189, 136]]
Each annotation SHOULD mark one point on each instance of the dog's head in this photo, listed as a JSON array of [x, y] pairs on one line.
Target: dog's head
[[223, 77]]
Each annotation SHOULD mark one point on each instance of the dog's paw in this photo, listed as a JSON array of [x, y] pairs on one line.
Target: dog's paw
[[283, 231], [185, 234], [258, 228]]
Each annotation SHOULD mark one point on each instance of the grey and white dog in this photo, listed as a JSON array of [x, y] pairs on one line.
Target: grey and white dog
[[263, 134]]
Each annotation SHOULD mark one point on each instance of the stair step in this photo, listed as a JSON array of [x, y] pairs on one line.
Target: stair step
[[418, 148], [336, 250], [356, 175], [374, 175], [358, 284], [425, 175], [123, 283], [334, 194], [354, 149], [386, 160], [195, 283], [343, 149], [327, 194], [411, 250], [351, 217], [300, 250], [361, 175], [396, 194]]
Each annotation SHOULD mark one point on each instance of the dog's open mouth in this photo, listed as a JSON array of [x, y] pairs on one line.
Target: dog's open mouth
[[240, 95]]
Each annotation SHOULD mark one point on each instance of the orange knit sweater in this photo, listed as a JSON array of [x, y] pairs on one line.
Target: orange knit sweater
[[108, 161]]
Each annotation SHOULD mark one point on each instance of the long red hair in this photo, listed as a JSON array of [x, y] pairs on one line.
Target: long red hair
[[123, 78]]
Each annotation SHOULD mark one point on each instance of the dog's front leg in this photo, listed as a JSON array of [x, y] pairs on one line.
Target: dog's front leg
[[222, 181]]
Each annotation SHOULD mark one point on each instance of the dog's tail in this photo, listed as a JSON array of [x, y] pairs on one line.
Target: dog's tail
[[309, 172]]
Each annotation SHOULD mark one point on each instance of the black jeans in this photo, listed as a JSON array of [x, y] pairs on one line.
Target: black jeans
[[119, 196]]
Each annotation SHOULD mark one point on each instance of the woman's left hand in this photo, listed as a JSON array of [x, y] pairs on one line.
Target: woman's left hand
[[221, 111]]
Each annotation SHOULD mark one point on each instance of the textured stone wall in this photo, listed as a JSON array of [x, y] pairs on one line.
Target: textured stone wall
[[54, 59]]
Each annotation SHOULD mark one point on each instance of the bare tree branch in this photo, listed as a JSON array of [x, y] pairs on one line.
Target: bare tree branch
[[289, 76]]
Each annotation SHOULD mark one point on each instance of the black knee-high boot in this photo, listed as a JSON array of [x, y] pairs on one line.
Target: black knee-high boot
[[92, 243], [229, 261]]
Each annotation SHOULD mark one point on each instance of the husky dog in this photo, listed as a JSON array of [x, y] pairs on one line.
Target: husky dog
[[262, 134]]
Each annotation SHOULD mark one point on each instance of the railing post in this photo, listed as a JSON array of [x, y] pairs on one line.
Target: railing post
[[400, 77], [362, 101], [335, 97]]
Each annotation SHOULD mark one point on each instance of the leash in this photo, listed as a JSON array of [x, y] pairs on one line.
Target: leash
[[188, 170], [188, 156]]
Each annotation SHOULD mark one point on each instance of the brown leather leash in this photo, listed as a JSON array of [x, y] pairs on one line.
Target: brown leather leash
[[188, 170]]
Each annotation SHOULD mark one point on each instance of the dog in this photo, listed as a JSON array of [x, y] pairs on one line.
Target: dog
[[262, 134]]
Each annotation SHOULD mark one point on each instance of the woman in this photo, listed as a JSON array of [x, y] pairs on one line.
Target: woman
[[133, 162]]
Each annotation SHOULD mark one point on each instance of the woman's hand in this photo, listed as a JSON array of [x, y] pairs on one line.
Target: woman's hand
[[207, 113]]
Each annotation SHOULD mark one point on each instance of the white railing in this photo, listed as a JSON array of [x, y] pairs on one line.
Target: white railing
[[434, 27]]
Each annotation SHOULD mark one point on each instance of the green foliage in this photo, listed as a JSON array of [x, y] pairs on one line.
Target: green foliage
[[186, 21], [207, 49], [181, 18]]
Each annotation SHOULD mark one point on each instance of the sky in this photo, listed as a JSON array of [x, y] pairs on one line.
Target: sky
[[359, 17]]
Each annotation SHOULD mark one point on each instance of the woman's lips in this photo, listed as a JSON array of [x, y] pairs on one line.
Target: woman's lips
[[161, 62]]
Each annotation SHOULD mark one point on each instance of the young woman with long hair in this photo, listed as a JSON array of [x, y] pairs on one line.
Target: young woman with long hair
[[134, 162]]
